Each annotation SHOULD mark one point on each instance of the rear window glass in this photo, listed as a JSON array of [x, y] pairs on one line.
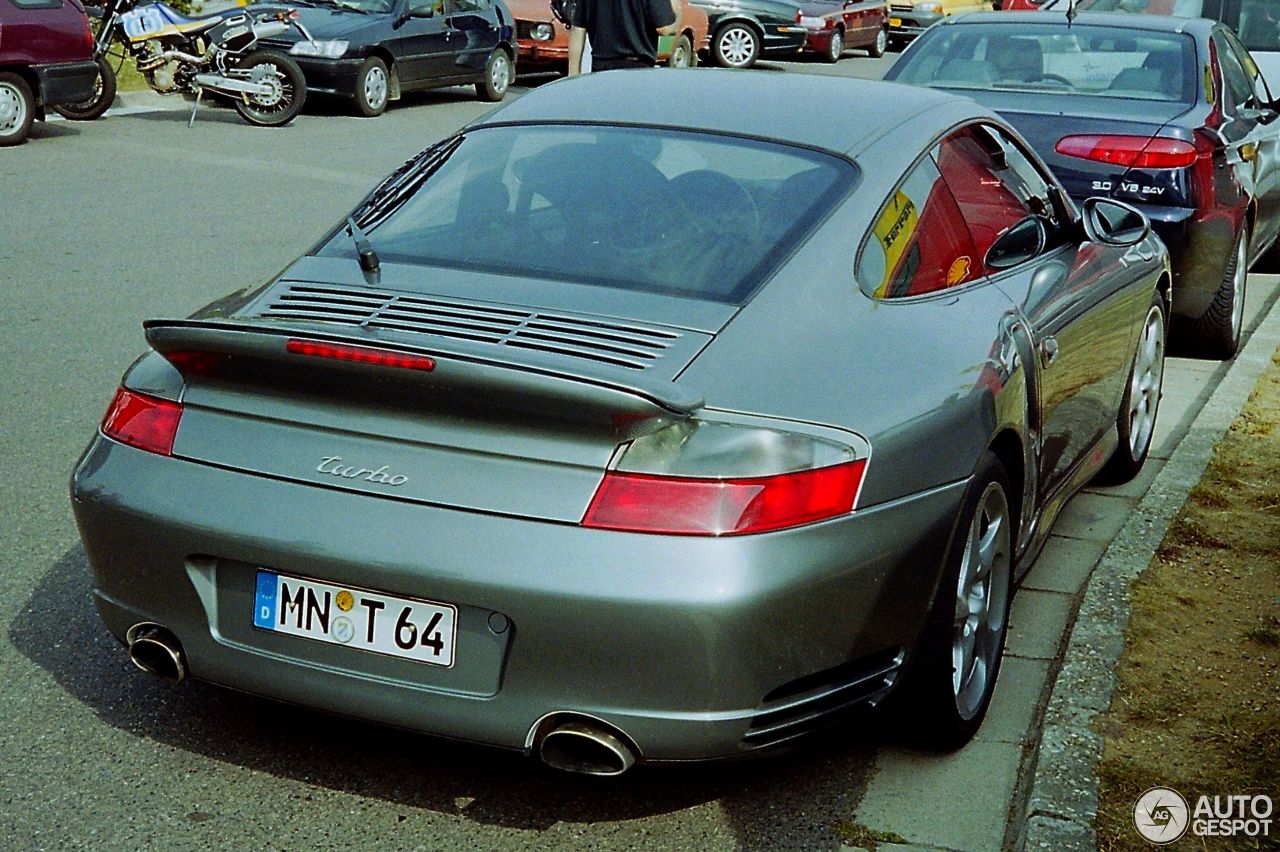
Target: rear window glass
[[687, 214], [1090, 60]]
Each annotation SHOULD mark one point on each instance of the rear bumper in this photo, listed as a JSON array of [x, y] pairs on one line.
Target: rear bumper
[[542, 55], [910, 23], [694, 648], [66, 82]]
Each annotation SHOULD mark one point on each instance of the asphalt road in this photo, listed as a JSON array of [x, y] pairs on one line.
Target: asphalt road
[[137, 216]]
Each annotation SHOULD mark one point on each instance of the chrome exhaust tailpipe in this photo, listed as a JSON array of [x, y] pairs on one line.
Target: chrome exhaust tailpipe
[[586, 747], [156, 651]]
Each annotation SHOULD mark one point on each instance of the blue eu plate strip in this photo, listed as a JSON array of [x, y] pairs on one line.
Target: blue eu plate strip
[[264, 601]]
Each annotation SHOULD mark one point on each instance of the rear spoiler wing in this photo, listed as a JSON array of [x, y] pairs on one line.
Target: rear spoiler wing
[[622, 398]]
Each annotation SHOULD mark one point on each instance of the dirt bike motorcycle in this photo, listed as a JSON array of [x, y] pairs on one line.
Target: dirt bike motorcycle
[[213, 54]]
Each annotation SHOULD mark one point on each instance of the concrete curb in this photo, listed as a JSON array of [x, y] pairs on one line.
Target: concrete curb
[[1063, 802]]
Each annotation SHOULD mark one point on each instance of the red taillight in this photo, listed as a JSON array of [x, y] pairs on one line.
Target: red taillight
[[361, 355], [642, 502], [142, 421], [1136, 152]]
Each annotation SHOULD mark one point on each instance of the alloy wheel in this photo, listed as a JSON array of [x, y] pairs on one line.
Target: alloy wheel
[[1237, 286], [375, 88], [982, 601], [1144, 387], [738, 47]]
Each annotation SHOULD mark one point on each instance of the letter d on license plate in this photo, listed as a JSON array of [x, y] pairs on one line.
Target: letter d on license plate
[[363, 619]]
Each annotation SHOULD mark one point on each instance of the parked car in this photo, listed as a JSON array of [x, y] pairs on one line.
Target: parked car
[[742, 31], [539, 449], [1166, 113], [908, 20], [1256, 22], [372, 51], [46, 58], [544, 40], [834, 25]]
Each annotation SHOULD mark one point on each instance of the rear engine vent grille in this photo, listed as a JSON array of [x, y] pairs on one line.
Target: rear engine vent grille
[[625, 345], [819, 699]]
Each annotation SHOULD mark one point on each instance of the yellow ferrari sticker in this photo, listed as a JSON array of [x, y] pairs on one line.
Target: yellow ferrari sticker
[[894, 229]]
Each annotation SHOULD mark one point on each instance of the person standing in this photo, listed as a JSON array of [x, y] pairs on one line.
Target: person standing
[[622, 33]]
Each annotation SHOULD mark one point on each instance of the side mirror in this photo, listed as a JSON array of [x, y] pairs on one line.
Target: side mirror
[[1020, 243], [1113, 223]]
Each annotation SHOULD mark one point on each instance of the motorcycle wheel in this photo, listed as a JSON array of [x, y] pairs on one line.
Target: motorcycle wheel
[[265, 65], [104, 94]]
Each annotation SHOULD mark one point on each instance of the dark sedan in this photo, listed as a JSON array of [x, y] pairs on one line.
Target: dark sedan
[[372, 51], [654, 417], [1170, 114], [741, 31]]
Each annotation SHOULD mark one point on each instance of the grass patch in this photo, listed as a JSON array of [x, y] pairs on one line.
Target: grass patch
[[1197, 705]]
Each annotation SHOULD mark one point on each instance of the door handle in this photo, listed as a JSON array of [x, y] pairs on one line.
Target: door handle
[[1048, 350]]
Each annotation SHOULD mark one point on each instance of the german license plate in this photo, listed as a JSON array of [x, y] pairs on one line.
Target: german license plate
[[895, 22], [414, 629]]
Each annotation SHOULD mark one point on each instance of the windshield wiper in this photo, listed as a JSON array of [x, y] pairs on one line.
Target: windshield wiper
[[402, 184], [368, 258]]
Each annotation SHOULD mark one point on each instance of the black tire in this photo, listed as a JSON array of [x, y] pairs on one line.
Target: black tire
[[284, 106], [836, 47], [682, 53], [1216, 334], [17, 109], [944, 702], [1136, 419], [735, 45], [877, 48], [104, 95], [373, 88], [498, 71]]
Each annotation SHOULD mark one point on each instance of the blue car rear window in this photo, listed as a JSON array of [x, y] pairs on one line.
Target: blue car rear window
[[1109, 62], [687, 214]]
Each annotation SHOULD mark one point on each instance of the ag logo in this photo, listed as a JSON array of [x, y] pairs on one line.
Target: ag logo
[[1161, 815]]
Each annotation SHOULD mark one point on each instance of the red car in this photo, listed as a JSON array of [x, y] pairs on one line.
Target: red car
[[46, 58], [834, 25]]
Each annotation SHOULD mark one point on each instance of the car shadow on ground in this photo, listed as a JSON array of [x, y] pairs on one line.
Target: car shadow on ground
[[51, 130], [791, 799]]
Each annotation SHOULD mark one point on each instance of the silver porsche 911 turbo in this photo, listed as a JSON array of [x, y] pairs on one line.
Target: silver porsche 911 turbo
[[654, 417]]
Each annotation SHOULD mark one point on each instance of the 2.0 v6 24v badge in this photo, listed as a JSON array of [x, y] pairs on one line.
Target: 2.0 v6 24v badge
[[333, 465]]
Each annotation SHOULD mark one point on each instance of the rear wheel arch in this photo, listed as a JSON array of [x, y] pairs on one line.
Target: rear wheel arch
[[393, 71], [1008, 447]]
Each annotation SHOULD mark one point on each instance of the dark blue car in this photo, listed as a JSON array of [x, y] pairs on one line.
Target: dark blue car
[[1169, 114], [372, 51]]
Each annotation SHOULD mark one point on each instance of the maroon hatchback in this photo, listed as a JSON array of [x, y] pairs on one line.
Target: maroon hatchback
[[46, 58]]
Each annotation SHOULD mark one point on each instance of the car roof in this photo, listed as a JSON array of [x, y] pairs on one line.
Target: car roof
[[1121, 20], [835, 113]]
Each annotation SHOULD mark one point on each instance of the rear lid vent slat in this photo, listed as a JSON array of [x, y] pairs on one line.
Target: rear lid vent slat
[[622, 344]]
